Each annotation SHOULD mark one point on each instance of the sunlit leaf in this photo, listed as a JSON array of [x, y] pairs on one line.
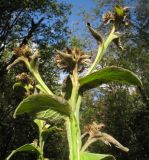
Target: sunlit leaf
[[26, 147], [109, 74], [48, 115], [93, 156], [41, 105]]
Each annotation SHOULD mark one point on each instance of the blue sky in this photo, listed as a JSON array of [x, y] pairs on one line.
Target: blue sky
[[77, 6]]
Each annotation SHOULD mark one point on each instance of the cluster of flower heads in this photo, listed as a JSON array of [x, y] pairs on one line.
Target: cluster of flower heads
[[69, 59]]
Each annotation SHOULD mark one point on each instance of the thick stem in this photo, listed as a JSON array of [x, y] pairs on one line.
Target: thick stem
[[73, 129], [78, 119], [40, 124], [73, 138]]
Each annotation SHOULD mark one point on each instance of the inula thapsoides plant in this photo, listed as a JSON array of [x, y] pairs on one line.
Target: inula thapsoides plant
[[45, 106]]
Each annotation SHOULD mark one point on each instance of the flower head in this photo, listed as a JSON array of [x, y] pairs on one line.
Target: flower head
[[71, 58], [119, 16], [24, 50]]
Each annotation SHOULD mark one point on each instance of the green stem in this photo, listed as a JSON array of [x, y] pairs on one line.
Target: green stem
[[10, 155], [41, 82], [40, 124], [73, 129], [41, 146], [34, 71], [102, 48], [78, 119], [89, 141], [73, 134]]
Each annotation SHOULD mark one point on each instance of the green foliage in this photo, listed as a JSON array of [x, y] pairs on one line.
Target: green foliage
[[17, 18], [109, 74], [26, 147], [92, 156], [35, 104]]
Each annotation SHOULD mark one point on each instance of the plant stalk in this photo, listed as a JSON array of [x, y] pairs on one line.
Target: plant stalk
[[73, 129], [102, 48], [35, 72]]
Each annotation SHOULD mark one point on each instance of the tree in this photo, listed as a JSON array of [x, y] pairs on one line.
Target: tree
[[26, 22]]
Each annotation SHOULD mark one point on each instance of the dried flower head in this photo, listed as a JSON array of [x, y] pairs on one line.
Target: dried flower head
[[108, 17], [71, 58], [95, 133], [24, 50], [94, 128]]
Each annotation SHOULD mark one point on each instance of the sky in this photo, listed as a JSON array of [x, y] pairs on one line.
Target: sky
[[77, 6]]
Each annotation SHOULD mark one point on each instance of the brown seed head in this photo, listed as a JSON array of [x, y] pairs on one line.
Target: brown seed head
[[108, 17], [68, 59], [25, 51], [94, 128]]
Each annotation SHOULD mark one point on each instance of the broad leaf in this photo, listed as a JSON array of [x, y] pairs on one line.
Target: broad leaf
[[109, 74], [26, 147], [49, 115], [93, 156], [43, 106]]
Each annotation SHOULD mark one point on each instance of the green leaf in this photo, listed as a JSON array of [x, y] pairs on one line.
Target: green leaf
[[26, 147], [93, 156], [109, 74], [49, 115], [41, 106]]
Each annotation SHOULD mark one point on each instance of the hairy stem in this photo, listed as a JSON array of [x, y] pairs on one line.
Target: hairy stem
[[34, 70], [102, 48], [89, 141], [41, 82], [73, 129]]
